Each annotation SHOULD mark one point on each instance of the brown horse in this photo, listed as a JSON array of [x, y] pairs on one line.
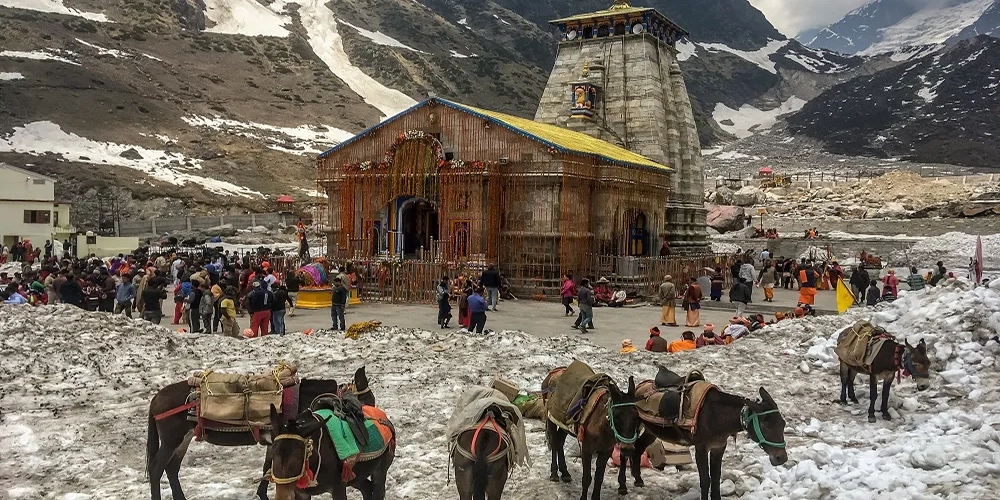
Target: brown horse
[[721, 416], [482, 460], [891, 359], [167, 439], [303, 450], [615, 419]]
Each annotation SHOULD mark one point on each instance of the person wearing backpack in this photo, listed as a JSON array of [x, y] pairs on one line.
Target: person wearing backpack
[[281, 298], [206, 307], [259, 304]]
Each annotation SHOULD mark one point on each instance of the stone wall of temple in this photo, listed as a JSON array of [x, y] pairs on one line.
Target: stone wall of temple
[[642, 105]]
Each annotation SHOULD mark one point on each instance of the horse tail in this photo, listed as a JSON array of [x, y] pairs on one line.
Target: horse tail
[[152, 444], [481, 468]]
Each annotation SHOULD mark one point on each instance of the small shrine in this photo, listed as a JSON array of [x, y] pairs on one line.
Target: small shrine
[[284, 204]]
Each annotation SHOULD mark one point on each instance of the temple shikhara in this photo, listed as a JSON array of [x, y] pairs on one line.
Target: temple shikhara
[[608, 169]]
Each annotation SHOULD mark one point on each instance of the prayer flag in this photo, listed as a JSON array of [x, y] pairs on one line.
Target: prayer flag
[[979, 260], [845, 299]]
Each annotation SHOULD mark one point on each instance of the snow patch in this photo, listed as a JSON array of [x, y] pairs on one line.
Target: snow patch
[[302, 139], [244, 17], [686, 50], [11, 76], [39, 55], [103, 51], [44, 137], [327, 44], [147, 56], [380, 38], [748, 120], [929, 26], [459, 55], [761, 57], [910, 53], [54, 7]]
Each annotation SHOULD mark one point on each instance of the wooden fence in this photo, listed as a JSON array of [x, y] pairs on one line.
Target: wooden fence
[[415, 281]]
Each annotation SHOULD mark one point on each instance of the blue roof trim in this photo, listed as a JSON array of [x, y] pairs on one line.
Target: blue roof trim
[[464, 109], [368, 130]]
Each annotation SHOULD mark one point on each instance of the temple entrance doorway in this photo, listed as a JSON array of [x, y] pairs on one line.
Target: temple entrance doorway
[[418, 226]]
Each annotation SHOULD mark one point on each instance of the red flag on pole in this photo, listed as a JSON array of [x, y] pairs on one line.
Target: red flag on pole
[[979, 260]]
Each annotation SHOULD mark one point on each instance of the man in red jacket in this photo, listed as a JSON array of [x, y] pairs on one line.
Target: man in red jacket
[[656, 343]]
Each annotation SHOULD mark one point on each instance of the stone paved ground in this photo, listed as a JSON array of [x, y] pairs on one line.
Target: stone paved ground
[[546, 319]]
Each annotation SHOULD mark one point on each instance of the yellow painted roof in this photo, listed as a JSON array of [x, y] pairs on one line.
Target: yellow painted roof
[[603, 13], [562, 138]]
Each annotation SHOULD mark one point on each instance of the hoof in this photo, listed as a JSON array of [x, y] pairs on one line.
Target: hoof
[[639, 483], [840, 401], [886, 416], [554, 478], [623, 491], [566, 478], [855, 401], [871, 419]]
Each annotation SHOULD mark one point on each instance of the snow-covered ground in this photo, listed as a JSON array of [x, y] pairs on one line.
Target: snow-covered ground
[[954, 249], [74, 388], [303, 139], [54, 6], [7, 76], [749, 120], [244, 17], [45, 137]]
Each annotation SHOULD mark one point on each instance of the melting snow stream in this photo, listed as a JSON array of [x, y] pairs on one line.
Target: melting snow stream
[[74, 390]]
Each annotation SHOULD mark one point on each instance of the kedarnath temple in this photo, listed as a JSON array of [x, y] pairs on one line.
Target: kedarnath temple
[[609, 166]]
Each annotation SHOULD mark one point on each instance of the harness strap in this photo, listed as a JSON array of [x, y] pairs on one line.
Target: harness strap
[[179, 409], [482, 424]]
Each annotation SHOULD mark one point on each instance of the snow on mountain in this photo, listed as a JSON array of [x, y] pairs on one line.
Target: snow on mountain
[[39, 55], [749, 120], [760, 57], [890, 25], [10, 76], [686, 50], [380, 38], [244, 17], [67, 373], [929, 26], [47, 138], [297, 140], [321, 27], [936, 109], [55, 7]]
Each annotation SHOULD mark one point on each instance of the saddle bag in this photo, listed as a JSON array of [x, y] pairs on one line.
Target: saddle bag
[[241, 399]]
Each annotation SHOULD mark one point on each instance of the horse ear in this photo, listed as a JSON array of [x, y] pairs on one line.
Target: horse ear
[[360, 379], [765, 397], [631, 386], [275, 419]]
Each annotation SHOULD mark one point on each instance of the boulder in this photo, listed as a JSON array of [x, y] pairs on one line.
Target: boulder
[[721, 196], [130, 154], [225, 230], [892, 210], [822, 194], [724, 218], [749, 196]]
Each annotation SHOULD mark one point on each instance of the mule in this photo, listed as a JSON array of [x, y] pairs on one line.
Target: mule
[[891, 359], [722, 416], [482, 461], [615, 419], [305, 462], [167, 439]]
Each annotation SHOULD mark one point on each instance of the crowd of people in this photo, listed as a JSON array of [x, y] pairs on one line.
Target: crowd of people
[[209, 290]]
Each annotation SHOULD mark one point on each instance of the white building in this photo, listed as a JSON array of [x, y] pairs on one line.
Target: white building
[[29, 207]]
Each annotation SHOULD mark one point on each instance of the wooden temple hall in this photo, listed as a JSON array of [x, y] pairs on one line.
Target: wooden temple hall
[[580, 184]]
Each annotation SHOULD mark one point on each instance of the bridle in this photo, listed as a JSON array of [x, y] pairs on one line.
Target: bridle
[[751, 423], [304, 473], [611, 422]]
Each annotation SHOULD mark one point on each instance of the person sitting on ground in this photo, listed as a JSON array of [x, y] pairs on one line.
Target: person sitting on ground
[[618, 299], [708, 337], [736, 329], [757, 322], [686, 343], [872, 296], [603, 293], [888, 295], [627, 347], [915, 281], [656, 343]]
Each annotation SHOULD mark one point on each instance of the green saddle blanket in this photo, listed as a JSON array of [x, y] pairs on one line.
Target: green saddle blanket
[[344, 441]]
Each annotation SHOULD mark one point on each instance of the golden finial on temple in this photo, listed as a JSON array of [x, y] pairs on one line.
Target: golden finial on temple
[[620, 4]]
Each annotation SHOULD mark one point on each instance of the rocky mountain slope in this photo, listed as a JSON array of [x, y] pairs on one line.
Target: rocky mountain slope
[[889, 25], [217, 105], [937, 108]]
